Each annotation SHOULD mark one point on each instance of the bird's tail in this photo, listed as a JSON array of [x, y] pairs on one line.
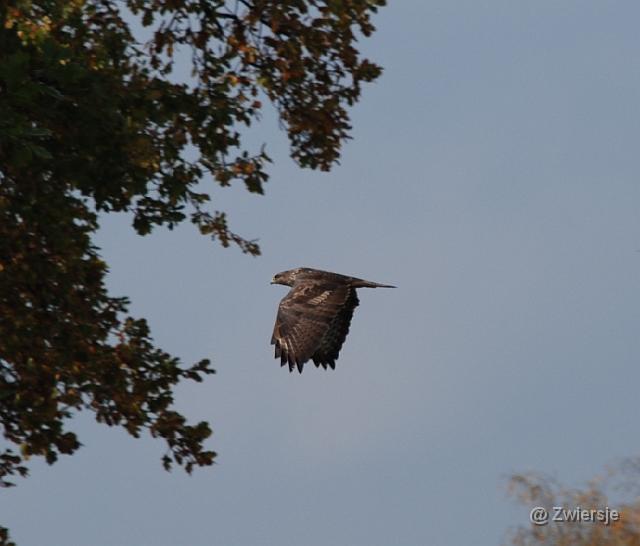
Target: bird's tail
[[360, 283]]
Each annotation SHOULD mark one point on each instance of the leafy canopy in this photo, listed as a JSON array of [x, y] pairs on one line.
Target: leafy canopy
[[92, 121]]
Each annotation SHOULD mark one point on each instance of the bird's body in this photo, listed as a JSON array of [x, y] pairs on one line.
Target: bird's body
[[314, 317]]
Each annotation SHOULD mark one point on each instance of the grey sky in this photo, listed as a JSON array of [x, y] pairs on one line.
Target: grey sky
[[494, 177]]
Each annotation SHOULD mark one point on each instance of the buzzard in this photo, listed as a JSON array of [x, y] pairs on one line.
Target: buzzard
[[314, 317]]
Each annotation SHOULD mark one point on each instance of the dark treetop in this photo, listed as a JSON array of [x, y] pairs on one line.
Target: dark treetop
[[94, 121]]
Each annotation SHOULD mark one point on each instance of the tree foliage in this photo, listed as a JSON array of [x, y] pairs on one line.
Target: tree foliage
[[93, 120], [617, 489]]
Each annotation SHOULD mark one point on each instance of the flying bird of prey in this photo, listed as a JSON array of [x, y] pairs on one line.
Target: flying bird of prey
[[314, 317]]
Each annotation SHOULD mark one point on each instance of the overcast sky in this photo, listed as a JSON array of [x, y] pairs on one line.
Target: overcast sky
[[494, 176]]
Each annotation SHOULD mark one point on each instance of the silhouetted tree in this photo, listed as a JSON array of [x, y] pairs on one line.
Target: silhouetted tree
[[92, 121]]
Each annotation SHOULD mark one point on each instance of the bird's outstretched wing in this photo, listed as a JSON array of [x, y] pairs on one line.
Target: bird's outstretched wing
[[327, 352], [312, 323]]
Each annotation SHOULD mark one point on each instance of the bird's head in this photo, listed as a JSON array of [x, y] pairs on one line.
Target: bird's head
[[285, 277]]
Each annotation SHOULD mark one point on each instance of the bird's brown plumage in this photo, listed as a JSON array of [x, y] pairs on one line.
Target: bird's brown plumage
[[314, 317]]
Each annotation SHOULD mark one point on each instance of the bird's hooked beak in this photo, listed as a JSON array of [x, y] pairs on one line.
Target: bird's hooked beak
[[273, 280]]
